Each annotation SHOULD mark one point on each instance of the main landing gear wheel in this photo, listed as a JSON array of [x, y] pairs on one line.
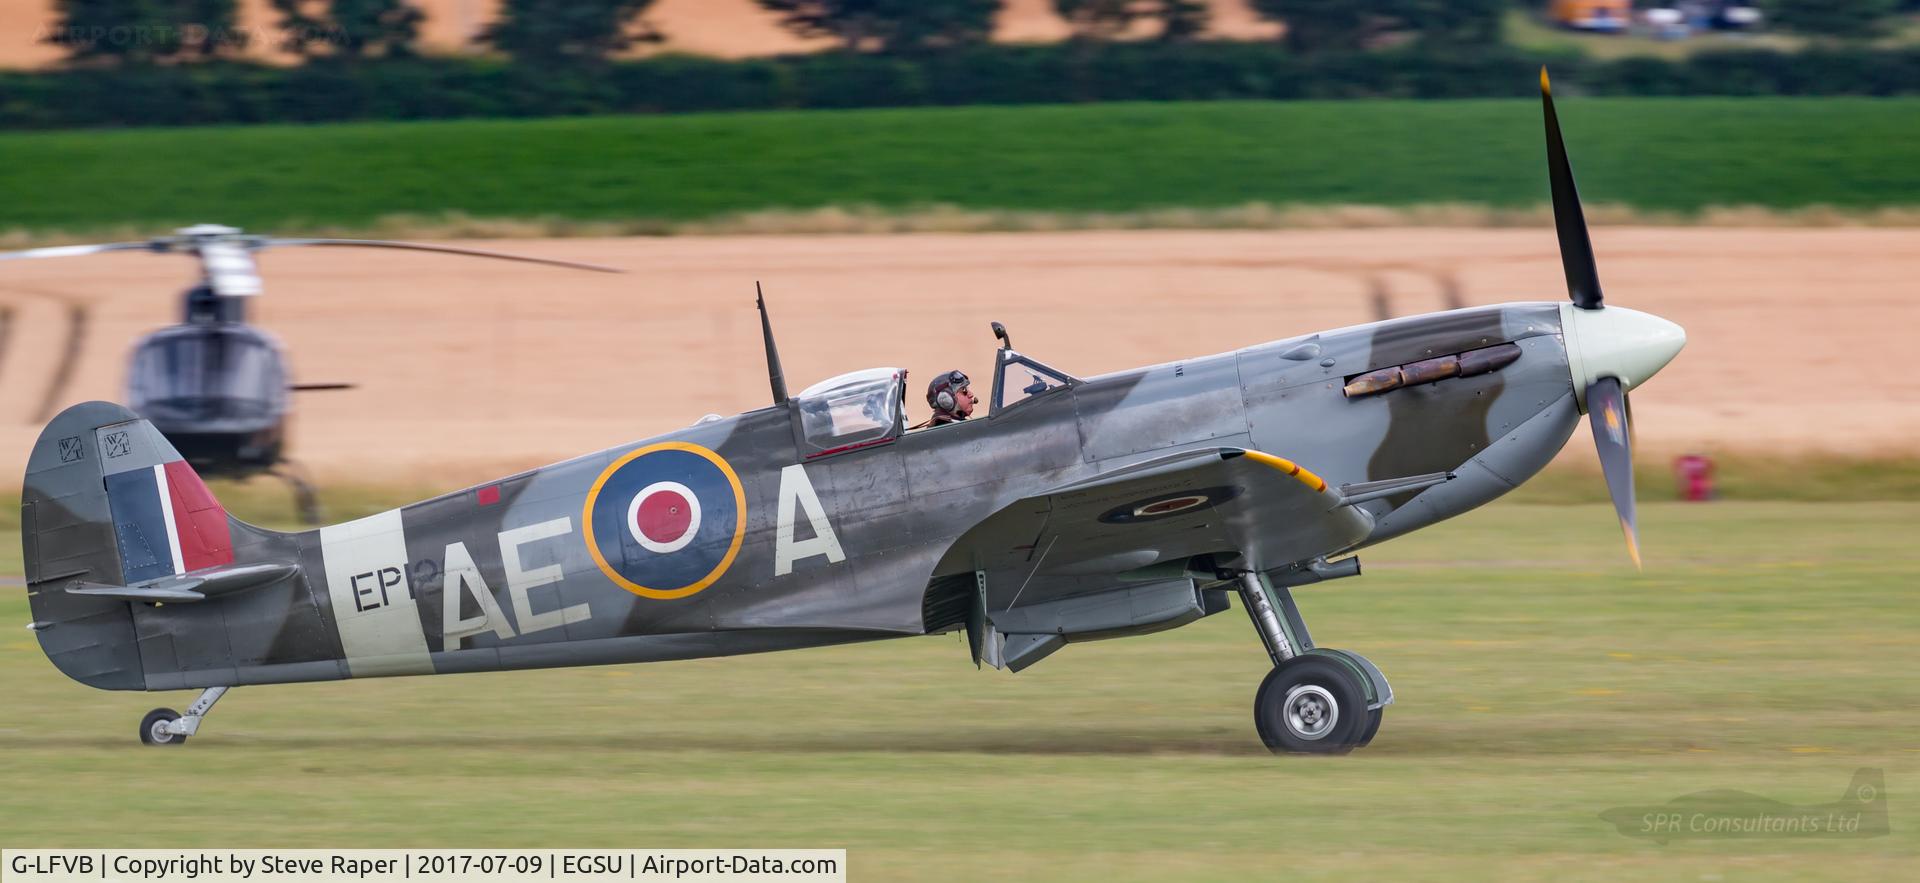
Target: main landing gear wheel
[[153, 728], [1373, 726], [1313, 705]]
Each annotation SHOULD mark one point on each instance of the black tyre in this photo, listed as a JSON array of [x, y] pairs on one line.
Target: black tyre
[[1373, 726], [1310, 705], [152, 728]]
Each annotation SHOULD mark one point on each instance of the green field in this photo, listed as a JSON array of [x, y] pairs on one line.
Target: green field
[[1650, 155], [1769, 647]]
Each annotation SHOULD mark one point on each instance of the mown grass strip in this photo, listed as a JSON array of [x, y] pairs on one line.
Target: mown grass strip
[[1539, 682]]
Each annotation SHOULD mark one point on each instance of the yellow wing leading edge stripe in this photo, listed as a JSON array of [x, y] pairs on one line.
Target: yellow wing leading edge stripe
[[1301, 473]]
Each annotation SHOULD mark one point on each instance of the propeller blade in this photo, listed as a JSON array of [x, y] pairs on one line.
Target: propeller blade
[[1576, 250], [1633, 426], [1612, 437], [443, 249], [68, 251]]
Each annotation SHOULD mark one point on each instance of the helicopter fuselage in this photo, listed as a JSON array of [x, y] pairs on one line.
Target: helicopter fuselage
[[217, 390]]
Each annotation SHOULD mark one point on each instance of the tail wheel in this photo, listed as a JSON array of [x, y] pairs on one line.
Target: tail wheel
[[153, 728], [1312, 705]]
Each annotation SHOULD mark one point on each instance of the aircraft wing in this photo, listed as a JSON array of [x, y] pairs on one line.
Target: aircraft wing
[[1086, 535]]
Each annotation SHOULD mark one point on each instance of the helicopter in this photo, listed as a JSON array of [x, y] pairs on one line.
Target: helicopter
[[216, 385]]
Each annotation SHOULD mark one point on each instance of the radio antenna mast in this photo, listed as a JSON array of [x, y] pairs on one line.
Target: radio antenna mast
[[775, 377]]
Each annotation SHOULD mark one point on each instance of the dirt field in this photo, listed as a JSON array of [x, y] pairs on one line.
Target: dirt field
[[1801, 339], [723, 28]]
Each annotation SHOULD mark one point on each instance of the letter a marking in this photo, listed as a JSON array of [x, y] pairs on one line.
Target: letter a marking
[[796, 493]]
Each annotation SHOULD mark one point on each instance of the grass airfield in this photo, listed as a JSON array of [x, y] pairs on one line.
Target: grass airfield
[[1769, 647]]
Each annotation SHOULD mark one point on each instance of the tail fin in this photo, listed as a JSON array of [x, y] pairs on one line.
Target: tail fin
[[108, 501]]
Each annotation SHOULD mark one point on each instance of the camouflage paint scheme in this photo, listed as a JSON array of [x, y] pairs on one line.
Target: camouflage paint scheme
[[994, 515]]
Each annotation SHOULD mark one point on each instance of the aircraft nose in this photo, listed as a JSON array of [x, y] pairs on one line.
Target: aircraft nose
[[1618, 342]]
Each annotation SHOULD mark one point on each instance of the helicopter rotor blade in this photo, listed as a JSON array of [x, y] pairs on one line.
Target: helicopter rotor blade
[[443, 249], [68, 251]]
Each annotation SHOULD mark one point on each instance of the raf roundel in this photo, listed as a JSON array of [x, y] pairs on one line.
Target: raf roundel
[[1169, 505], [665, 521]]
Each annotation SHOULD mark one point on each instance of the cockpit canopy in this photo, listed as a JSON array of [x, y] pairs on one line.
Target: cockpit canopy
[[867, 408], [851, 411]]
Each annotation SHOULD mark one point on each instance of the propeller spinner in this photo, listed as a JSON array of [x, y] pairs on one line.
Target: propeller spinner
[[1610, 350]]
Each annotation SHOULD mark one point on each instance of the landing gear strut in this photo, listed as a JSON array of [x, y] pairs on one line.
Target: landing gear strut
[[164, 726], [1315, 700], [305, 502]]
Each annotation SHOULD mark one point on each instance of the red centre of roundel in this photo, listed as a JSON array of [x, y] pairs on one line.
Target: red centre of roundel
[[1174, 505], [663, 516]]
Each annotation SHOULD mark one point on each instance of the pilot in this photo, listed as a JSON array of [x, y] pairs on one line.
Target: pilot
[[951, 399]]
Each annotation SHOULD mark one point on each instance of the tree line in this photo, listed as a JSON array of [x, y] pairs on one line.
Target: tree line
[[491, 88], [557, 32]]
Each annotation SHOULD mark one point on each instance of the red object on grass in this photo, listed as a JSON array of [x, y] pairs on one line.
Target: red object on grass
[[1693, 475]]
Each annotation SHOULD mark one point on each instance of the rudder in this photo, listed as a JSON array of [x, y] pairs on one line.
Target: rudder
[[108, 501]]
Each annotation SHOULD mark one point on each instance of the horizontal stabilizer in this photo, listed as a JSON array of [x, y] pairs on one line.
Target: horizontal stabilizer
[[190, 587], [135, 593], [226, 580]]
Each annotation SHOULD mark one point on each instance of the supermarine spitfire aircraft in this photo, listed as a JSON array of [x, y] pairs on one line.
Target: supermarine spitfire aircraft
[[1074, 510]]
